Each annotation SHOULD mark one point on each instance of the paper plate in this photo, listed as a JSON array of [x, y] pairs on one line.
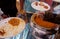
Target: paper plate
[[8, 30], [40, 6]]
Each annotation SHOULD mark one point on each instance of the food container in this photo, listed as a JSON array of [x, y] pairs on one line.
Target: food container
[[41, 32]]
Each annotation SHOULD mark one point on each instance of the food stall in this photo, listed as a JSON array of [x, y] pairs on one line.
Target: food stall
[[42, 22]]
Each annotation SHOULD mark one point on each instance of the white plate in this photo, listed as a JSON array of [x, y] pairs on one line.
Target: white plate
[[40, 8], [11, 30], [57, 1]]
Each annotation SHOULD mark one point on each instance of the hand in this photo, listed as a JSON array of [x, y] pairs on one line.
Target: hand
[[4, 16]]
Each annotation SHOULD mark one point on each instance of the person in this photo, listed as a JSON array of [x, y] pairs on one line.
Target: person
[[8, 7]]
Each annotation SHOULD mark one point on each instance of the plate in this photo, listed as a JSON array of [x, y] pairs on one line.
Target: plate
[[57, 1], [8, 30], [40, 6]]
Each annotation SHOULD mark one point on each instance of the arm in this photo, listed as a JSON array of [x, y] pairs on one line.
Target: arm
[[50, 2], [21, 4]]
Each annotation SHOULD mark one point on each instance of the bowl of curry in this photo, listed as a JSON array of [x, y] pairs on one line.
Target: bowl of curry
[[38, 20]]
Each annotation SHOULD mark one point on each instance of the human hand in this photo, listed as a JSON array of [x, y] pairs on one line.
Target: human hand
[[4, 16]]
